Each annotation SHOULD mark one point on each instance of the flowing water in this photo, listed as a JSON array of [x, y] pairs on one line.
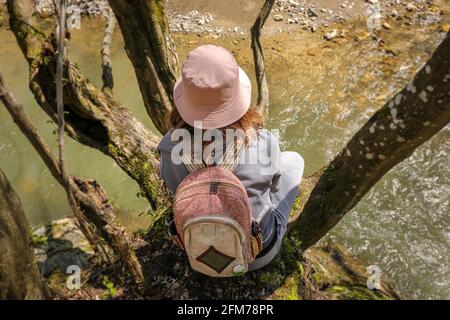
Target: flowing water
[[321, 94]]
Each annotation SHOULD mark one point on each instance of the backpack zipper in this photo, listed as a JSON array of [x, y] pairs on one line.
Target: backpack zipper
[[202, 184], [186, 192]]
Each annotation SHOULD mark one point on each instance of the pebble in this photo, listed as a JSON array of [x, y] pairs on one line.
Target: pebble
[[89, 7], [387, 26], [194, 22], [410, 7], [445, 27], [278, 17], [185, 26], [331, 35], [312, 13], [290, 21]]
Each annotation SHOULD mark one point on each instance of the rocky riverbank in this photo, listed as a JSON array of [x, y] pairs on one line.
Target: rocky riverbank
[[60, 244], [213, 18], [293, 15]]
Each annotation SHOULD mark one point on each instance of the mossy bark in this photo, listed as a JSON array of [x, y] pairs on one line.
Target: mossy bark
[[19, 276], [151, 50], [3, 16]]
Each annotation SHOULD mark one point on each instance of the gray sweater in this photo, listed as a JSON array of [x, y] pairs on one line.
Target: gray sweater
[[258, 170]]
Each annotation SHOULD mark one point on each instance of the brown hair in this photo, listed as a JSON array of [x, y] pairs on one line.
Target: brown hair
[[250, 122]]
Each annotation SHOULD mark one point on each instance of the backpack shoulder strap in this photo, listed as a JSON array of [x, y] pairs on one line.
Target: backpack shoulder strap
[[190, 164], [232, 154], [228, 161]]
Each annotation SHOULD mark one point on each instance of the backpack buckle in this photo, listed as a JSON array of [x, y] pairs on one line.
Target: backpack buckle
[[256, 229], [256, 239]]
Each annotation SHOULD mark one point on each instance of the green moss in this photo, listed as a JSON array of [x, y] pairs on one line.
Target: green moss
[[271, 278], [110, 291], [289, 290], [338, 289], [139, 169], [57, 281], [290, 252], [316, 278], [3, 19], [158, 10], [265, 277], [356, 292], [38, 240], [301, 269], [298, 203], [294, 272]]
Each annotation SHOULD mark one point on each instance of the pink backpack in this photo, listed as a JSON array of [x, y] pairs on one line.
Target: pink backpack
[[213, 220]]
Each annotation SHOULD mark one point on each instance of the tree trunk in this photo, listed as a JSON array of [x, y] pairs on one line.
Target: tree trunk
[[151, 50], [409, 119], [19, 276]]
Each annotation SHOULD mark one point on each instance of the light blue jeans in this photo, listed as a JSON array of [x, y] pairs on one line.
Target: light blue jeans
[[291, 166]]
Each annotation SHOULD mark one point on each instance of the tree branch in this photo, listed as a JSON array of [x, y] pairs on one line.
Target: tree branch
[[59, 93], [262, 103], [92, 117], [87, 230], [152, 52], [94, 203], [107, 76]]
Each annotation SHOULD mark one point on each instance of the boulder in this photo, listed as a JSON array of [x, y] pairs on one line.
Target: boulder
[[60, 244]]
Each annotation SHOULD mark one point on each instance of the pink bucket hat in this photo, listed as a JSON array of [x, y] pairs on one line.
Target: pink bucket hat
[[213, 88]]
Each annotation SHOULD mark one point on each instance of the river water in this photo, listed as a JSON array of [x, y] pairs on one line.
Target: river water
[[321, 93]]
